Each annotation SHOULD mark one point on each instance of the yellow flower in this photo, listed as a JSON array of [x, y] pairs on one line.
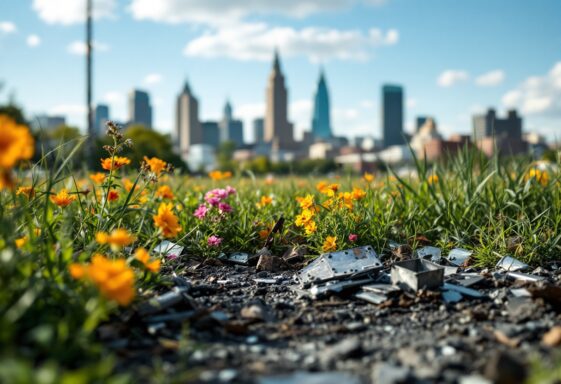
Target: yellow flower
[[327, 189], [156, 165], [540, 176], [310, 228], [142, 255], [307, 202], [117, 239], [28, 192], [346, 199], [358, 193], [304, 218], [97, 178], [22, 241], [114, 163], [368, 177], [433, 179], [16, 143], [164, 192], [113, 278], [167, 221], [330, 244], [265, 200], [63, 199]]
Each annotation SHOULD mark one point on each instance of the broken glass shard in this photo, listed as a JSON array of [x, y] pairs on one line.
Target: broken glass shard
[[509, 263], [241, 258], [459, 256], [432, 253]]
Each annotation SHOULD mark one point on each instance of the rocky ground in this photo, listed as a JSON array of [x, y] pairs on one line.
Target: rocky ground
[[220, 322]]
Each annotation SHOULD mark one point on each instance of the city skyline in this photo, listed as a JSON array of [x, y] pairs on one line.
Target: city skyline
[[389, 42]]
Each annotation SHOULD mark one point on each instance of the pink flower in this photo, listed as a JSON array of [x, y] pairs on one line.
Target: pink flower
[[353, 237], [214, 241], [201, 211], [230, 190], [224, 207]]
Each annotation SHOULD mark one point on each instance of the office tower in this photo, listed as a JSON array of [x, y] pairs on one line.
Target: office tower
[[277, 127], [259, 130], [321, 122], [392, 115], [487, 125], [187, 125], [140, 110], [101, 117], [230, 128], [211, 133]]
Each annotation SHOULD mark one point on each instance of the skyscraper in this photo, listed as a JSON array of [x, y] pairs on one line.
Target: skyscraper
[[259, 130], [101, 117], [230, 128], [392, 115], [277, 127], [488, 124], [187, 125], [211, 133], [140, 110], [321, 122]]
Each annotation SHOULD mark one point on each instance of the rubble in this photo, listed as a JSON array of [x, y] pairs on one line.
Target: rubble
[[269, 263], [509, 263], [459, 256], [417, 274]]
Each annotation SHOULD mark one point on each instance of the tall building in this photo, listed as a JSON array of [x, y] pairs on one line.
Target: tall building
[[188, 130], [488, 124], [140, 110], [211, 133], [278, 130], [259, 130], [392, 115], [321, 121], [101, 117], [47, 123], [230, 128]]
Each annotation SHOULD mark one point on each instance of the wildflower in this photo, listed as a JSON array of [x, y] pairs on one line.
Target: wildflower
[[63, 199], [201, 211], [117, 239], [164, 192], [224, 207], [21, 241], [98, 178], [353, 237], [114, 163], [327, 189], [540, 176], [156, 165], [217, 175], [214, 241], [113, 278], [264, 233], [167, 221], [142, 255], [16, 143], [368, 177], [310, 228], [330, 244], [264, 201], [433, 179], [230, 190], [358, 194], [307, 202], [127, 184], [346, 199], [112, 195], [28, 192], [304, 218]]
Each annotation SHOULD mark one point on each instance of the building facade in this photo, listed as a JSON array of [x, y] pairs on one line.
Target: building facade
[[259, 130], [392, 115], [211, 133], [140, 110], [488, 125], [321, 120], [101, 116], [230, 128], [188, 129]]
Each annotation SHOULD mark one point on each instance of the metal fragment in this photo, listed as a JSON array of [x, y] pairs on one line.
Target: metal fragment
[[432, 253], [240, 258], [463, 290], [524, 276], [468, 279], [334, 287], [417, 274], [371, 297], [383, 289], [311, 378], [161, 302], [509, 263], [265, 281], [451, 296], [520, 292], [169, 249], [459, 256]]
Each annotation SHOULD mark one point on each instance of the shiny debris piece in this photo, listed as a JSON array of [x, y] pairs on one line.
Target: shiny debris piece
[[450, 297], [463, 290], [434, 254], [524, 276], [509, 263], [166, 300], [417, 274], [468, 279], [169, 249], [334, 287], [311, 378], [341, 264], [240, 258], [459, 256], [371, 297], [382, 289]]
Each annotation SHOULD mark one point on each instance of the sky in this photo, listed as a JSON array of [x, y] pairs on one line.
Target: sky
[[453, 58]]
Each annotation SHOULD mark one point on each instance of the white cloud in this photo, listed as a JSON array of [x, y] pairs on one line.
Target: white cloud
[[114, 97], [411, 103], [79, 47], [7, 27], [490, 79], [69, 110], [451, 77], [256, 41], [69, 12], [33, 40], [153, 78]]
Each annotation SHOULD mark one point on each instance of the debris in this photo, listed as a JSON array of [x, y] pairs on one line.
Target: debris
[[295, 254], [520, 292], [341, 264], [159, 303], [509, 263], [169, 249], [524, 276], [371, 297], [502, 368], [334, 287], [385, 373], [311, 378], [463, 290], [173, 317], [348, 347], [432, 253], [553, 337], [449, 271], [265, 281], [520, 308], [383, 289], [468, 279], [417, 274], [269, 263], [240, 258], [451, 296], [459, 256], [257, 311]]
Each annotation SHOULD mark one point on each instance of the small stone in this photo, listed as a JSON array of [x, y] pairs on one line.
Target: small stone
[[269, 263]]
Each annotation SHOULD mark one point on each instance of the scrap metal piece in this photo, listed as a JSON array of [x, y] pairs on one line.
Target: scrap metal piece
[[432, 253], [416, 274], [509, 263], [381, 289], [166, 300], [310, 378], [371, 297], [524, 276], [451, 296], [468, 279], [463, 290], [169, 249], [520, 292], [341, 264], [240, 258], [449, 271], [459, 256], [335, 287]]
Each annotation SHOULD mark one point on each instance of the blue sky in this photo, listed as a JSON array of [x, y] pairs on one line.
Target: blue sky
[[453, 58]]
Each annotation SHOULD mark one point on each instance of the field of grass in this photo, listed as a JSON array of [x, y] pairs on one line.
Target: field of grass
[[77, 247]]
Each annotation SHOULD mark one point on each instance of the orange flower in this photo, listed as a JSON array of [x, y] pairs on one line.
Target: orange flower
[[156, 165], [63, 199], [327, 189], [118, 238], [264, 233], [358, 193], [265, 200], [540, 176], [368, 177], [167, 221], [142, 255], [433, 179], [22, 241], [217, 175], [114, 163], [98, 178], [310, 228], [330, 244], [112, 195], [28, 192], [113, 278], [16, 143], [164, 192]]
